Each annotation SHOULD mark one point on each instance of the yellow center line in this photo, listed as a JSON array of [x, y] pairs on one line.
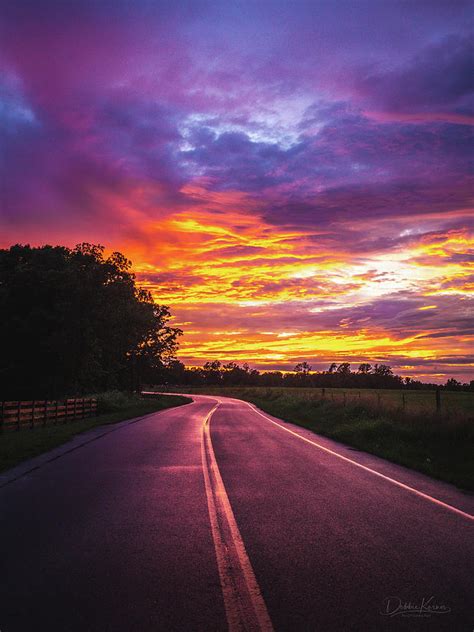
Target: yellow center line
[[243, 601]]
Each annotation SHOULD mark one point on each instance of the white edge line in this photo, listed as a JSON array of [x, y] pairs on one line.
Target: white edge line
[[364, 467]]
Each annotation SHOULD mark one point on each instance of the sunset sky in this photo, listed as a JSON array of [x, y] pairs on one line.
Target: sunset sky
[[292, 178]]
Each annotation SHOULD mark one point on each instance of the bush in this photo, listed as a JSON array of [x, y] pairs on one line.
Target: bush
[[113, 401]]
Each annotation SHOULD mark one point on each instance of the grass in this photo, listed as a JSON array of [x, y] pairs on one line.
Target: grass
[[113, 407], [438, 444]]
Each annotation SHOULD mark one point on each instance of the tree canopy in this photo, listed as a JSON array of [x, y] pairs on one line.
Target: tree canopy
[[74, 321]]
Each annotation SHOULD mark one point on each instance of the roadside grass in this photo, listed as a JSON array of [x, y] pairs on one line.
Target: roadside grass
[[438, 444], [113, 407]]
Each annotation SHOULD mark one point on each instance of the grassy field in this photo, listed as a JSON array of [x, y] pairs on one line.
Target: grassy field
[[415, 435], [404, 400], [112, 407]]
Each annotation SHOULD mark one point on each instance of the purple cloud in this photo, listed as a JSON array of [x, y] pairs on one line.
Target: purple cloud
[[437, 79]]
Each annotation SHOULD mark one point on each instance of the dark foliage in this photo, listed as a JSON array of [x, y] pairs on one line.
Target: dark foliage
[[337, 376], [74, 321]]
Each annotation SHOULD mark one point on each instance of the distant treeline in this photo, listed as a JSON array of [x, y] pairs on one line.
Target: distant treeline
[[74, 321], [337, 376]]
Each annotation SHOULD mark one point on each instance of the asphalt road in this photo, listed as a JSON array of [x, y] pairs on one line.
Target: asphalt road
[[214, 518]]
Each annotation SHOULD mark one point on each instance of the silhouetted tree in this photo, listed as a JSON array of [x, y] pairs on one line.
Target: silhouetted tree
[[74, 321], [382, 369], [453, 385], [211, 372], [302, 368], [271, 378], [344, 368]]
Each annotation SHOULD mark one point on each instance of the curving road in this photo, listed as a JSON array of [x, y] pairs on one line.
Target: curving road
[[215, 516]]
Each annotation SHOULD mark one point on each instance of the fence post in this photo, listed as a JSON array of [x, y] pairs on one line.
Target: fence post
[[33, 414], [56, 413], [2, 420], [75, 408], [323, 392], [344, 398], [18, 416], [438, 400]]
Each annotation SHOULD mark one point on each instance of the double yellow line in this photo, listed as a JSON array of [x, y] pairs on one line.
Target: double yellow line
[[243, 601]]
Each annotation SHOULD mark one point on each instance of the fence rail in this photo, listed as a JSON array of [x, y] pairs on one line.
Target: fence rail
[[409, 400], [34, 413]]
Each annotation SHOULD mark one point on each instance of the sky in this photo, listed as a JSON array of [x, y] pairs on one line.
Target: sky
[[293, 179]]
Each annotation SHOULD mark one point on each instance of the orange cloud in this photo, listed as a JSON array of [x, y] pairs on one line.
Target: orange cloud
[[241, 283]]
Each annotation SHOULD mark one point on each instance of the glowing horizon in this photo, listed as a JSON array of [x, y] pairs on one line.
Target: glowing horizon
[[292, 187]]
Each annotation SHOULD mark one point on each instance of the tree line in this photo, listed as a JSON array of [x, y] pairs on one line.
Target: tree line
[[74, 322], [215, 373]]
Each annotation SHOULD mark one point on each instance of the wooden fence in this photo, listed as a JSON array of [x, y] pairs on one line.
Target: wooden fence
[[21, 415]]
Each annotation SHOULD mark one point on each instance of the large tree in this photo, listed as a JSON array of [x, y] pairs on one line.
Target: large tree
[[74, 321]]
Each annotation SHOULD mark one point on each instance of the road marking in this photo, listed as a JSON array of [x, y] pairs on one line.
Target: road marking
[[364, 467], [243, 601], [440, 503]]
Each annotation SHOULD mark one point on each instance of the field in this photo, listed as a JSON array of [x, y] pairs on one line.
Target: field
[[401, 426], [410, 401]]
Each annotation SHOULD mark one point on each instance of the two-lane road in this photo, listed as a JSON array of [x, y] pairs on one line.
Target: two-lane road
[[209, 518]]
